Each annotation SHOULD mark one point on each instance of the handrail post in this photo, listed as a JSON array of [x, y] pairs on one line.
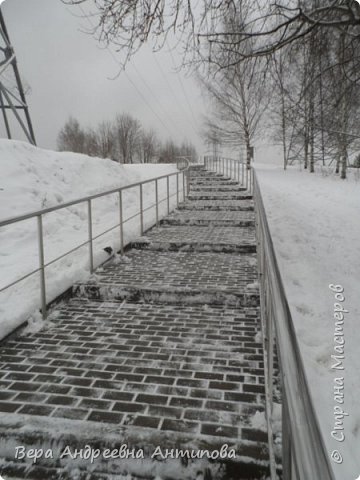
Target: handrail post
[[121, 223], [141, 210], [90, 239], [177, 189], [42, 267], [168, 193], [184, 186], [157, 201]]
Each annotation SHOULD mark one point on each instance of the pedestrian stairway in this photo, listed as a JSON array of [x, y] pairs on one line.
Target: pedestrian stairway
[[160, 349]]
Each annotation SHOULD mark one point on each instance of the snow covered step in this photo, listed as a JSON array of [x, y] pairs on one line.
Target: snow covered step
[[107, 374], [206, 175], [213, 182], [210, 218], [199, 239], [217, 188], [176, 277], [215, 195], [218, 205], [196, 167]]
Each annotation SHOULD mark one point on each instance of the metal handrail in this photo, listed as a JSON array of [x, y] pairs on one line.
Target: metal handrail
[[38, 214], [304, 453], [26, 216], [231, 168]]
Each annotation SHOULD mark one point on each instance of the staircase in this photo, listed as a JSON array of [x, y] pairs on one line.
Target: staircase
[[161, 348]]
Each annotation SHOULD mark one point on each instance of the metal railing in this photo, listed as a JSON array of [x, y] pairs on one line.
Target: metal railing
[[181, 192], [304, 455], [231, 168]]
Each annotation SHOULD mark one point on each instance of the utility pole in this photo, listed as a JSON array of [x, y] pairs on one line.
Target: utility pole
[[9, 101]]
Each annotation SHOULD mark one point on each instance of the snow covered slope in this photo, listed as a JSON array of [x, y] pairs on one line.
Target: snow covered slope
[[315, 225], [33, 179]]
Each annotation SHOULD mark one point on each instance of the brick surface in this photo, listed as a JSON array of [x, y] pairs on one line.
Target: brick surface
[[188, 372], [181, 270], [218, 205], [210, 217], [208, 235]]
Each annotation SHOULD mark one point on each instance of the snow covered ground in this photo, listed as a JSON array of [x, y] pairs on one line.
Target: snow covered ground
[[315, 225], [32, 179]]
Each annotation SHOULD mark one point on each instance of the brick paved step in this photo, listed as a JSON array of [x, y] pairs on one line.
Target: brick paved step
[[210, 218], [217, 188], [242, 468], [197, 167], [213, 182], [218, 205], [205, 222], [176, 277], [198, 239], [207, 175], [153, 294], [173, 376], [202, 195]]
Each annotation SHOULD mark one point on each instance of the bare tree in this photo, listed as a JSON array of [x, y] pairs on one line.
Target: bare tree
[[91, 146], [71, 137], [168, 152], [127, 132], [148, 145], [211, 137], [106, 140], [238, 94], [188, 150], [277, 25]]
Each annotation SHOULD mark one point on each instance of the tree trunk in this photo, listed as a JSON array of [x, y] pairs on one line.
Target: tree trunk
[[338, 158], [344, 162], [283, 128], [248, 150]]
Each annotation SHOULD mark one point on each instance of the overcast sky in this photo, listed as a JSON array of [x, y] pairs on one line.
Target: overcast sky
[[70, 74]]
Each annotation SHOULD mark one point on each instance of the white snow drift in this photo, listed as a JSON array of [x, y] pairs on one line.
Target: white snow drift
[[32, 179], [315, 225]]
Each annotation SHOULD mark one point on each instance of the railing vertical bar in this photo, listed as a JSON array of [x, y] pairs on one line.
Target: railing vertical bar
[[286, 438], [168, 194], [177, 190], [121, 226], [183, 182], [141, 210], [157, 201], [90, 237], [42, 267]]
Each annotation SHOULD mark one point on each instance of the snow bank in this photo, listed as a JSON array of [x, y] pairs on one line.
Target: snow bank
[[33, 179], [315, 225]]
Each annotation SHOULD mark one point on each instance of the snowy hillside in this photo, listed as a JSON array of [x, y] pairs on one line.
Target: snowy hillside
[[315, 224], [32, 179]]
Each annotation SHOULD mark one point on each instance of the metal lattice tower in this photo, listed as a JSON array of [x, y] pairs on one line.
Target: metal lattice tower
[[10, 101]]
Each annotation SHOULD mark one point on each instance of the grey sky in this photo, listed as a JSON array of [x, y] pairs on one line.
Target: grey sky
[[69, 74]]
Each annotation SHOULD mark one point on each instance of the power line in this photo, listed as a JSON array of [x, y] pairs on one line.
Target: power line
[[128, 76], [153, 95], [182, 86], [171, 89]]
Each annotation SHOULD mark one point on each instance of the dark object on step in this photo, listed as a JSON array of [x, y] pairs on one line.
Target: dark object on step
[[109, 250]]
